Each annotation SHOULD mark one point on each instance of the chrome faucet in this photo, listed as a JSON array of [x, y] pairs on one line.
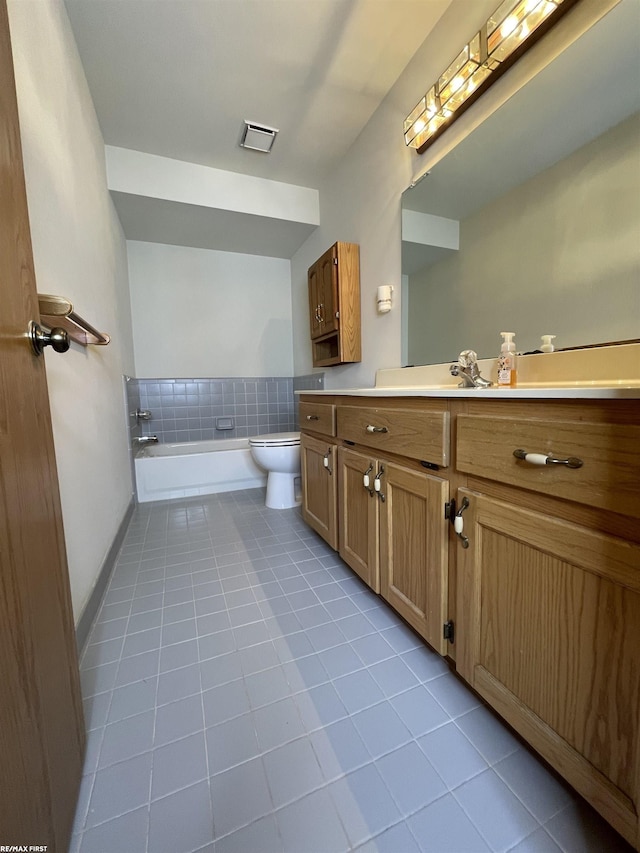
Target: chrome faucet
[[467, 368], [141, 440]]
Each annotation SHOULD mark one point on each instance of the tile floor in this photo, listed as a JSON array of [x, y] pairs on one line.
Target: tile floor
[[246, 693]]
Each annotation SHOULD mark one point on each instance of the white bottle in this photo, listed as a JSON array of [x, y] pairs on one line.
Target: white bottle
[[547, 346], [507, 367]]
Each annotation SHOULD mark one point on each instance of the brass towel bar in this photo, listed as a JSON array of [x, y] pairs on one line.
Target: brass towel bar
[[58, 311]]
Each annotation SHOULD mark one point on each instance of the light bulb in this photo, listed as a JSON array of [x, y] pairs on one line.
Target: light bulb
[[508, 26]]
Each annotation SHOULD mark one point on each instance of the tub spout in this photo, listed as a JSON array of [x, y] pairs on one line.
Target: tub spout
[[142, 440]]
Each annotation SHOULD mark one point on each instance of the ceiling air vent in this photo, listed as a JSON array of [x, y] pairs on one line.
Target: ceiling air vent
[[258, 137]]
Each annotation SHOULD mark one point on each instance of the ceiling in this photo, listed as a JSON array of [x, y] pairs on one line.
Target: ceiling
[[177, 77]]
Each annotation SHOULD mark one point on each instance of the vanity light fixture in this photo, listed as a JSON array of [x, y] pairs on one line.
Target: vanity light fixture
[[510, 31], [258, 137]]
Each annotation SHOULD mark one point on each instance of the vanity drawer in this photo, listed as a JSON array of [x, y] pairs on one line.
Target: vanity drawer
[[318, 417], [407, 432], [609, 477]]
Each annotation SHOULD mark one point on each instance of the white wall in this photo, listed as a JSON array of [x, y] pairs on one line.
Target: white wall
[[79, 252], [152, 176], [361, 202], [200, 312]]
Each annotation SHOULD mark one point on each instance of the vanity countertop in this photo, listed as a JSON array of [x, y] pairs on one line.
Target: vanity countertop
[[576, 392]]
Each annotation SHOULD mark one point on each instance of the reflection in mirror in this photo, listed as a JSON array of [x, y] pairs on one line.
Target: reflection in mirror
[[532, 223]]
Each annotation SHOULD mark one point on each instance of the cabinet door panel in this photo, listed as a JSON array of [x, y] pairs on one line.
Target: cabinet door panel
[[358, 536], [314, 302], [319, 488], [553, 642], [328, 290], [413, 549]]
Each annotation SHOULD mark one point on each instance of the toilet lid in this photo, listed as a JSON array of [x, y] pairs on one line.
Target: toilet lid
[[275, 439]]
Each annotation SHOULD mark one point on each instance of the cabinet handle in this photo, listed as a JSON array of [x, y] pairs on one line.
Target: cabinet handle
[[372, 428], [366, 480], [321, 311], [325, 460], [547, 459], [377, 485], [458, 523], [313, 417]]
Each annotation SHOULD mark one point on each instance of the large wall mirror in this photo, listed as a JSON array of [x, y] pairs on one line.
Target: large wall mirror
[[532, 223]]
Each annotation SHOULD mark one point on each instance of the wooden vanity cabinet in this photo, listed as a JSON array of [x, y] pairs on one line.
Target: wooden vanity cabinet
[[334, 306], [413, 549], [548, 616], [547, 592], [392, 529], [319, 487], [318, 461], [358, 540]]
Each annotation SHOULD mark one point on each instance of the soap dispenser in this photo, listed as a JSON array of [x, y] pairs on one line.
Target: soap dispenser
[[507, 361], [547, 346]]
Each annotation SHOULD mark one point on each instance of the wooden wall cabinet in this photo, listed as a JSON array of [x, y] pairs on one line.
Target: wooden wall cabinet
[[334, 306]]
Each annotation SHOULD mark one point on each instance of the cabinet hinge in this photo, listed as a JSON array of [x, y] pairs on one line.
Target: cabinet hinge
[[450, 508], [448, 630]]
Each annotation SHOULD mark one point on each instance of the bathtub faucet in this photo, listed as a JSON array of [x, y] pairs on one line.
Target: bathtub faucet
[[142, 440]]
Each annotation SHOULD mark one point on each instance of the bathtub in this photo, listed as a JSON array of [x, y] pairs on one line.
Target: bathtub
[[165, 471]]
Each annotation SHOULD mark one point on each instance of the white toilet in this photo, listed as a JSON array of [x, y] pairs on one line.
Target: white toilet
[[279, 455]]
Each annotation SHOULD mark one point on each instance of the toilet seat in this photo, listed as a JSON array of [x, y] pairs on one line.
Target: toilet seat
[[276, 439]]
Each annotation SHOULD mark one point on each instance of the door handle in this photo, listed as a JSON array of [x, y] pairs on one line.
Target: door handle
[[56, 338]]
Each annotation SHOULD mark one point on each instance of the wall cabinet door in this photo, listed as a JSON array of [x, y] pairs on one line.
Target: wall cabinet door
[[323, 294], [414, 549], [551, 639], [358, 536], [319, 487]]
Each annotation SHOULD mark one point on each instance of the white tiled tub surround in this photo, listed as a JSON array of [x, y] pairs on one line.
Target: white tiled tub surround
[[245, 692]]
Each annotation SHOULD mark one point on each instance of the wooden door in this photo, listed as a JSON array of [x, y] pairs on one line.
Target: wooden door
[[358, 512], [550, 636], [314, 302], [319, 487], [414, 549], [323, 294], [328, 290], [41, 728]]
